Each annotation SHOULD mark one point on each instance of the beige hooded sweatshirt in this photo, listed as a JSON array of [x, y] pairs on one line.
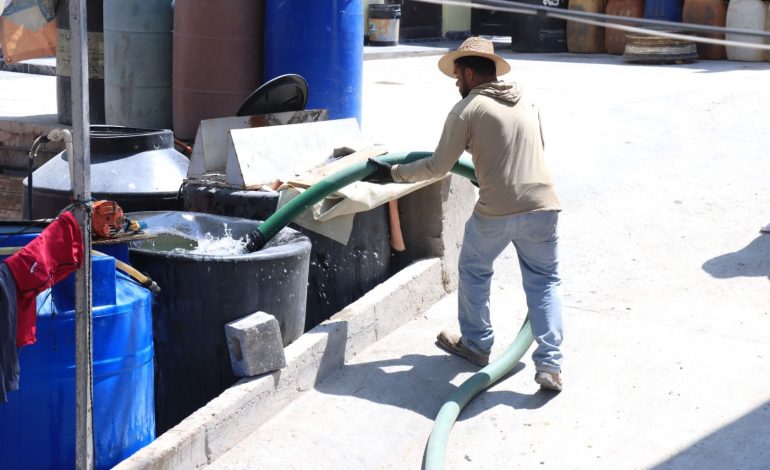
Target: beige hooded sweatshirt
[[500, 128]]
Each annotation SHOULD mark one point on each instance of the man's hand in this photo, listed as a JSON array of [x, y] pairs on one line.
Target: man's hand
[[381, 173]]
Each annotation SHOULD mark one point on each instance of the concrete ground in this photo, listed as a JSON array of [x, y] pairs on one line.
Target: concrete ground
[[662, 172]]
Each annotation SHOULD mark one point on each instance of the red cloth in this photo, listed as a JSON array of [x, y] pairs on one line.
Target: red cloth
[[46, 260]]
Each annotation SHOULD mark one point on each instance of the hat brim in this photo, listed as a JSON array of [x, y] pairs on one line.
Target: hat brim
[[447, 62]]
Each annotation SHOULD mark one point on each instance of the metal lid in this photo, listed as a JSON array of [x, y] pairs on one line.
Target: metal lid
[[124, 160]]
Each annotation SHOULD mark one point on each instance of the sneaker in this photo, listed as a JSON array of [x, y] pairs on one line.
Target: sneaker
[[453, 344], [765, 229], [549, 380]]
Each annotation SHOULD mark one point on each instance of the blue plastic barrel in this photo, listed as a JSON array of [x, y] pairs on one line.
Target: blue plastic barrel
[[322, 41], [667, 10], [37, 424]]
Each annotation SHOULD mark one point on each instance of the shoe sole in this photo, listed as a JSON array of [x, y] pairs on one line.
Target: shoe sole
[[547, 385], [452, 349]]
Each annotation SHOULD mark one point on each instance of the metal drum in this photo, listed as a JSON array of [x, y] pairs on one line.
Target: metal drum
[[539, 34], [137, 62], [217, 59]]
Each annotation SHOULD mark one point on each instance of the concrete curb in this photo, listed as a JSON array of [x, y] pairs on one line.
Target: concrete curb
[[35, 67], [217, 427]]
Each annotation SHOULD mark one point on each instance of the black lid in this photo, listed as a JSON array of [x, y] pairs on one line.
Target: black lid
[[281, 94]]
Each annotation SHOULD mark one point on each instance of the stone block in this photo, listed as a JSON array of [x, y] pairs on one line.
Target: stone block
[[255, 345]]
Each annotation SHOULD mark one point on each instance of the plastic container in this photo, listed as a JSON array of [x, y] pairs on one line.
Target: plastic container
[[37, 424], [201, 293], [584, 38], [615, 39], [137, 168], [707, 12], [339, 274], [217, 59], [383, 24], [666, 10], [539, 34], [95, 62], [746, 14], [321, 41], [137, 62]]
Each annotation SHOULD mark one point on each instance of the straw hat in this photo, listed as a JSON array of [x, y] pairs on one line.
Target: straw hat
[[473, 46]]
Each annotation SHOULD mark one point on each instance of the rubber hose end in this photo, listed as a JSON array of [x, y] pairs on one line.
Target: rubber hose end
[[255, 241], [152, 285]]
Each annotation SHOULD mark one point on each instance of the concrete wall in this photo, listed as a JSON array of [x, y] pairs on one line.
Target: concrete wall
[[433, 222], [16, 138]]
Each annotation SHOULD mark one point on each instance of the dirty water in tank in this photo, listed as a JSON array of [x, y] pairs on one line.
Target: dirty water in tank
[[188, 234]]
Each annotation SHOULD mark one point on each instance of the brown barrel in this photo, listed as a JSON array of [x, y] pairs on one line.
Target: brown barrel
[[94, 12], [584, 38], [708, 12], [615, 39], [217, 59]]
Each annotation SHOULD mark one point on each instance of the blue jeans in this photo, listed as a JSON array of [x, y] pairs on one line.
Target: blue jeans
[[535, 237]]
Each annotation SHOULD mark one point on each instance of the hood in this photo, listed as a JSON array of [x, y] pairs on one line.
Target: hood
[[506, 92]]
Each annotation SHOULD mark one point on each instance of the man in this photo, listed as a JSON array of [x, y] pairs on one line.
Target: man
[[499, 126]]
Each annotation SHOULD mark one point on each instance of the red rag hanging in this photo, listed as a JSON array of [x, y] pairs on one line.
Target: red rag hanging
[[46, 260]]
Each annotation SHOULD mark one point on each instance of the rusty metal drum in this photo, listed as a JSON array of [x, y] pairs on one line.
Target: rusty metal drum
[[217, 59]]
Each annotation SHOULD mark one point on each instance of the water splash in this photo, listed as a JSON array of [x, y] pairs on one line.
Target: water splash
[[216, 246]]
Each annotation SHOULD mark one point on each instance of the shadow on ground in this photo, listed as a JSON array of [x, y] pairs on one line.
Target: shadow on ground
[[422, 384], [750, 261], [741, 444]]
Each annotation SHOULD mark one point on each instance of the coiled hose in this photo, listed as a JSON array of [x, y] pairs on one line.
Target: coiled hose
[[478, 382]]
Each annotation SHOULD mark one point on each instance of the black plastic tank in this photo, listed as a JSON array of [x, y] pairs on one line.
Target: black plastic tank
[[538, 33], [137, 168], [201, 293], [339, 274]]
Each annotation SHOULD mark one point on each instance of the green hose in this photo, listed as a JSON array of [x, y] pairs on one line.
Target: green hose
[[478, 382], [283, 216]]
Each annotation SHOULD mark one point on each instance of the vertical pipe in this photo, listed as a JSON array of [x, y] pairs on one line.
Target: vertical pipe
[[80, 162]]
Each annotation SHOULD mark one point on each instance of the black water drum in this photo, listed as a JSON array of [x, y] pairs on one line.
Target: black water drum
[[200, 293], [137, 168], [339, 274], [95, 27], [384, 22], [538, 33]]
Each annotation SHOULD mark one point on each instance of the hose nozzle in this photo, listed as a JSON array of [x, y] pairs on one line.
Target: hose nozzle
[[255, 241]]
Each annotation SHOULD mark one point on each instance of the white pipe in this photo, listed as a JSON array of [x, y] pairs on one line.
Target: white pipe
[[55, 135]]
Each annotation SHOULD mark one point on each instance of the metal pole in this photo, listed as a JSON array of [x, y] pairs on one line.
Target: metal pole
[[80, 162]]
